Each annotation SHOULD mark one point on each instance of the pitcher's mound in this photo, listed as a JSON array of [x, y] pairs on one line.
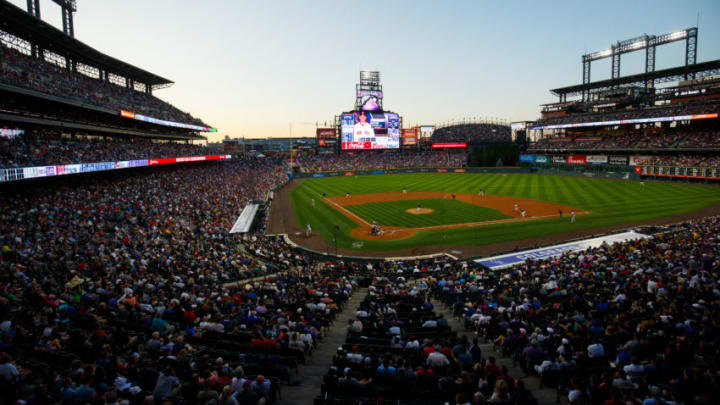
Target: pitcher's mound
[[419, 211]]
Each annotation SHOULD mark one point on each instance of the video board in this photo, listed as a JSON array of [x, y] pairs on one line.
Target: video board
[[370, 130]]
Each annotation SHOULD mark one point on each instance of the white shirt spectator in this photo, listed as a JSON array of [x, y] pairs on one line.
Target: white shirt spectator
[[437, 359], [596, 351], [430, 323]]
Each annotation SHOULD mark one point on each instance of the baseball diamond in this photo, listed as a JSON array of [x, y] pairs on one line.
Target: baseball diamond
[[490, 222]]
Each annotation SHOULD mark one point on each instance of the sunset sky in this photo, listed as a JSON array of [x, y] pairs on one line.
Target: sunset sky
[[251, 68]]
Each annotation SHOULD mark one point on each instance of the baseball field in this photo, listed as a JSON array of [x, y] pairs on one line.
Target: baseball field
[[430, 212]]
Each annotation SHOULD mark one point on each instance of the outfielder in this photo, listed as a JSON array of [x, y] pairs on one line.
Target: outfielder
[[572, 216], [308, 230]]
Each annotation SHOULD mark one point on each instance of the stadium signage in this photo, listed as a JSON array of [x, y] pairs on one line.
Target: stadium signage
[[442, 170], [140, 117], [10, 133], [558, 158], [618, 160], [153, 162], [576, 159], [325, 132], [596, 159], [640, 160], [365, 93], [61, 170], [680, 172], [507, 260], [527, 158], [632, 121], [450, 145], [541, 159], [348, 174], [459, 170]]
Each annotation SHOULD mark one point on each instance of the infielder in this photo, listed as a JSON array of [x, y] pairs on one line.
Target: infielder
[[481, 193], [404, 190], [572, 216], [308, 230], [522, 212], [515, 208]]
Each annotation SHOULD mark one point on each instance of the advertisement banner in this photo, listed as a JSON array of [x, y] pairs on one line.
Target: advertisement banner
[[409, 136], [459, 170], [426, 131], [631, 121], [325, 133], [558, 158], [10, 133], [451, 145], [638, 169], [527, 158], [640, 160], [348, 174], [318, 175], [596, 159], [618, 160], [39, 171], [442, 170], [541, 159], [575, 159]]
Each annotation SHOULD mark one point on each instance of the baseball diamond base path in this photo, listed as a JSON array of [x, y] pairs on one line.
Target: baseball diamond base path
[[282, 221], [506, 205]]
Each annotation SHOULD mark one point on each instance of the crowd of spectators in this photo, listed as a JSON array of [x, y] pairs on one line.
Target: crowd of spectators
[[398, 348], [708, 106], [472, 133], [670, 139], [19, 69], [114, 290], [372, 160], [685, 161], [25, 151], [631, 322]]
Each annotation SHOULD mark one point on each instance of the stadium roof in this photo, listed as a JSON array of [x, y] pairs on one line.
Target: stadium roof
[[659, 76], [19, 23]]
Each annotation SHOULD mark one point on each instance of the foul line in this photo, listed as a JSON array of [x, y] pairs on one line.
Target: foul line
[[347, 212]]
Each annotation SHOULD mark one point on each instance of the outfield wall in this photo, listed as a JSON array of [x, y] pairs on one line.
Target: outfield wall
[[342, 173], [551, 170]]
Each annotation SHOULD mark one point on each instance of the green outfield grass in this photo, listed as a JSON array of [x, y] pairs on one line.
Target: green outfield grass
[[446, 211], [610, 202]]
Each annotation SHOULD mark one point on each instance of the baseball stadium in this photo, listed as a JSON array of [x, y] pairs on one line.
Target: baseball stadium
[[150, 256]]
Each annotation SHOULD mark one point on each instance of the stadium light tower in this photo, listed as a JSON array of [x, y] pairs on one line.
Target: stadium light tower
[[68, 8], [647, 42]]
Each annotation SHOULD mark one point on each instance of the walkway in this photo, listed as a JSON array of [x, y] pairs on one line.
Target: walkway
[[306, 385]]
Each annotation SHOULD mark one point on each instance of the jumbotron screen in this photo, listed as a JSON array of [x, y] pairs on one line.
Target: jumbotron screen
[[370, 130]]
